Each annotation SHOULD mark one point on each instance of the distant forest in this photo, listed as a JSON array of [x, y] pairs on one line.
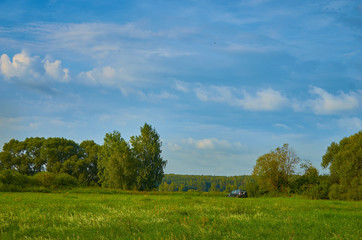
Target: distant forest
[[184, 183]]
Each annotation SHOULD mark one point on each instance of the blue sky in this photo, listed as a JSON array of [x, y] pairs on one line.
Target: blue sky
[[223, 82]]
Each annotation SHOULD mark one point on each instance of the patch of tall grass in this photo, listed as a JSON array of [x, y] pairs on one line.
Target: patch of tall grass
[[93, 214]]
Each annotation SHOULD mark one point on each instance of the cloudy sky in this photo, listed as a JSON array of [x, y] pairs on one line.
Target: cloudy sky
[[223, 82]]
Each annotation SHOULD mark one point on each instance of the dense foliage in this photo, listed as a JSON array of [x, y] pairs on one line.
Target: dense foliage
[[184, 183], [273, 171], [59, 162], [345, 164]]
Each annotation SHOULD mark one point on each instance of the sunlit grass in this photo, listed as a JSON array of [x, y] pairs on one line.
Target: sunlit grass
[[179, 216]]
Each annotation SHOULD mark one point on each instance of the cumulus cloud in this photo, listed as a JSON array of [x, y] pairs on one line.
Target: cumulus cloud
[[20, 66], [32, 70], [326, 103], [54, 70], [263, 100]]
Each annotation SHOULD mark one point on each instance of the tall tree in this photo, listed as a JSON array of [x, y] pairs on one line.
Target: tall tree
[[88, 166], [273, 170], [117, 166], [345, 164], [147, 150]]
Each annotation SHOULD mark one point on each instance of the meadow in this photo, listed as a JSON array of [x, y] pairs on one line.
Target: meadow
[[127, 215]]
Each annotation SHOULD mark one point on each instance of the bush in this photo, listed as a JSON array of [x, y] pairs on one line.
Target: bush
[[52, 180], [252, 189], [64, 180], [11, 177], [14, 181], [336, 192], [46, 179]]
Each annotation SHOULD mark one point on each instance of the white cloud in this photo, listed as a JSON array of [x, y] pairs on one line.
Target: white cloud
[[263, 100], [127, 80], [102, 39], [326, 103], [281, 125], [182, 86], [27, 69], [353, 123], [215, 144], [54, 70], [21, 66]]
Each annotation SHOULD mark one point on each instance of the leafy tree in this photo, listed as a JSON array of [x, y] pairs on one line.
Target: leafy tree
[[345, 164], [146, 149], [273, 171], [88, 166], [60, 155], [33, 150], [22, 156], [117, 166]]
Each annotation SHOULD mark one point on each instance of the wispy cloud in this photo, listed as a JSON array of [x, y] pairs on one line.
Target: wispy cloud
[[182, 86], [281, 125], [97, 39], [262, 100], [353, 123], [326, 103], [215, 144]]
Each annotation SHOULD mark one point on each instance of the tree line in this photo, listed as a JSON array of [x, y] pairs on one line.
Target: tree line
[[275, 172], [281, 171], [57, 162], [201, 183], [138, 165]]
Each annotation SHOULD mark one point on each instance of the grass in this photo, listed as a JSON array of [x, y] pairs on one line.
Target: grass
[[115, 215]]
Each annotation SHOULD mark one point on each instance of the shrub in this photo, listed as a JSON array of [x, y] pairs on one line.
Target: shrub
[[253, 189], [11, 177], [46, 179], [64, 180]]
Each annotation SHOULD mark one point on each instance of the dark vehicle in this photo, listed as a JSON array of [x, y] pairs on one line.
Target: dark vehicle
[[238, 193]]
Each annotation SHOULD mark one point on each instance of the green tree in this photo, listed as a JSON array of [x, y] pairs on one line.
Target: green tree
[[88, 167], [23, 156], [117, 166], [273, 171], [147, 150], [345, 164], [60, 155]]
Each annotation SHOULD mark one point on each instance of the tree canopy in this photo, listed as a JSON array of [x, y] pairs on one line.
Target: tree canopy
[[118, 167], [344, 160], [147, 150], [115, 164], [273, 170]]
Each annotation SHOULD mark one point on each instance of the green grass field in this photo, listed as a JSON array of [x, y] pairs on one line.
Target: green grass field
[[96, 215]]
